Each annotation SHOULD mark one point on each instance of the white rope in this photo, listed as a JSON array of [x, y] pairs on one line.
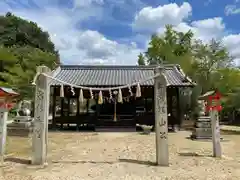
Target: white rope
[[99, 89]]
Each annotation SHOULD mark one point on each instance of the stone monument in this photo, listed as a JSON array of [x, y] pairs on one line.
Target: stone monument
[[203, 128], [161, 123], [22, 123]]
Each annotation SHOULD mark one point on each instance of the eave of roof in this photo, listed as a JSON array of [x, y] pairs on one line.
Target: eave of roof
[[9, 91], [84, 75]]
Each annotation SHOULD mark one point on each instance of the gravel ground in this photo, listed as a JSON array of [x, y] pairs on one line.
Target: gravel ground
[[116, 156]]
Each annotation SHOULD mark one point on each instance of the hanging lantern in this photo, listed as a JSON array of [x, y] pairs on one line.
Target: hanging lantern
[[138, 91], [100, 98], [62, 91]]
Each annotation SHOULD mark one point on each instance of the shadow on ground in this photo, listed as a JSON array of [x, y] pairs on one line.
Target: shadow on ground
[[83, 162], [134, 161], [192, 154], [18, 160]]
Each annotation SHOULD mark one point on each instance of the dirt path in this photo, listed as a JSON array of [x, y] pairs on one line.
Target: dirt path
[[86, 156]]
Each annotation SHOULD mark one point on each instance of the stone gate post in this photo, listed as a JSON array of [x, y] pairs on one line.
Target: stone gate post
[[217, 149], [161, 121], [40, 123]]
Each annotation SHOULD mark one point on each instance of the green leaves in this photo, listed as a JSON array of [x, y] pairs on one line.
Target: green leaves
[[208, 64], [141, 59], [23, 47], [17, 31]]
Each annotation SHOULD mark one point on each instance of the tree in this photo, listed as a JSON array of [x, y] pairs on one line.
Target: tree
[[23, 47], [19, 67], [168, 47], [206, 63], [208, 59], [141, 59], [20, 32]]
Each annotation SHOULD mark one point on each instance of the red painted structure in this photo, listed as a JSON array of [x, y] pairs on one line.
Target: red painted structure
[[6, 97], [214, 102]]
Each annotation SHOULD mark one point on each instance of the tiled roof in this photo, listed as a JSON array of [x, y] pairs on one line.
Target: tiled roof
[[116, 75]]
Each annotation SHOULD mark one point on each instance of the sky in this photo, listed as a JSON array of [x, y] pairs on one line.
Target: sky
[[114, 32]]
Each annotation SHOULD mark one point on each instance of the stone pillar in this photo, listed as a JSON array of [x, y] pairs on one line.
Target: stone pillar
[[40, 123], [161, 124], [3, 131], [217, 150]]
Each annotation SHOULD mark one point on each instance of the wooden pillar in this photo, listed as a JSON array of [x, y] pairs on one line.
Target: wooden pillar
[[3, 131], [68, 108], [87, 104], [78, 103], [62, 112], [179, 114], [161, 123], [217, 149], [40, 123], [54, 109], [169, 107]]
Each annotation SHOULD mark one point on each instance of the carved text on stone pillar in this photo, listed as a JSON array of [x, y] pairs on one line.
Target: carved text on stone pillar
[[39, 98], [38, 113], [162, 108]]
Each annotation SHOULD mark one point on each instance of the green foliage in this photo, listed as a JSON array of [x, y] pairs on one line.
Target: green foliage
[[208, 64], [17, 31], [141, 59], [23, 47]]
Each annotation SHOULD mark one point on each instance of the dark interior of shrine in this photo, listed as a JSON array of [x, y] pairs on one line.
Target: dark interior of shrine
[[68, 113]]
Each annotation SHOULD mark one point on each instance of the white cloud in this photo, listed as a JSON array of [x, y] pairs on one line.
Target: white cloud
[[232, 42], [155, 19], [81, 46], [231, 9], [100, 49], [204, 29], [86, 3], [75, 45], [151, 19]]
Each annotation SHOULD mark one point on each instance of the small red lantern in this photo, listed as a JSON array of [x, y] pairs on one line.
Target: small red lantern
[[214, 102]]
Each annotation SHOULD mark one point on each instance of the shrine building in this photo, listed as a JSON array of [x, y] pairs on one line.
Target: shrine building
[[111, 114]]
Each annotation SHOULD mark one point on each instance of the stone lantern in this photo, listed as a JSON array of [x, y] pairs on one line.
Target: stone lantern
[[203, 128], [22, 123]]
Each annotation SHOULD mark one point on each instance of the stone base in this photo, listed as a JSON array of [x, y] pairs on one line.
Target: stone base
[[202, 133], [23, 119], [22, 129], [19, 132]]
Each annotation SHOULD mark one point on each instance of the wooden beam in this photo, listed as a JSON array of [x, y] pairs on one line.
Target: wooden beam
[[54, 109], [78, 103], [179, 114]]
